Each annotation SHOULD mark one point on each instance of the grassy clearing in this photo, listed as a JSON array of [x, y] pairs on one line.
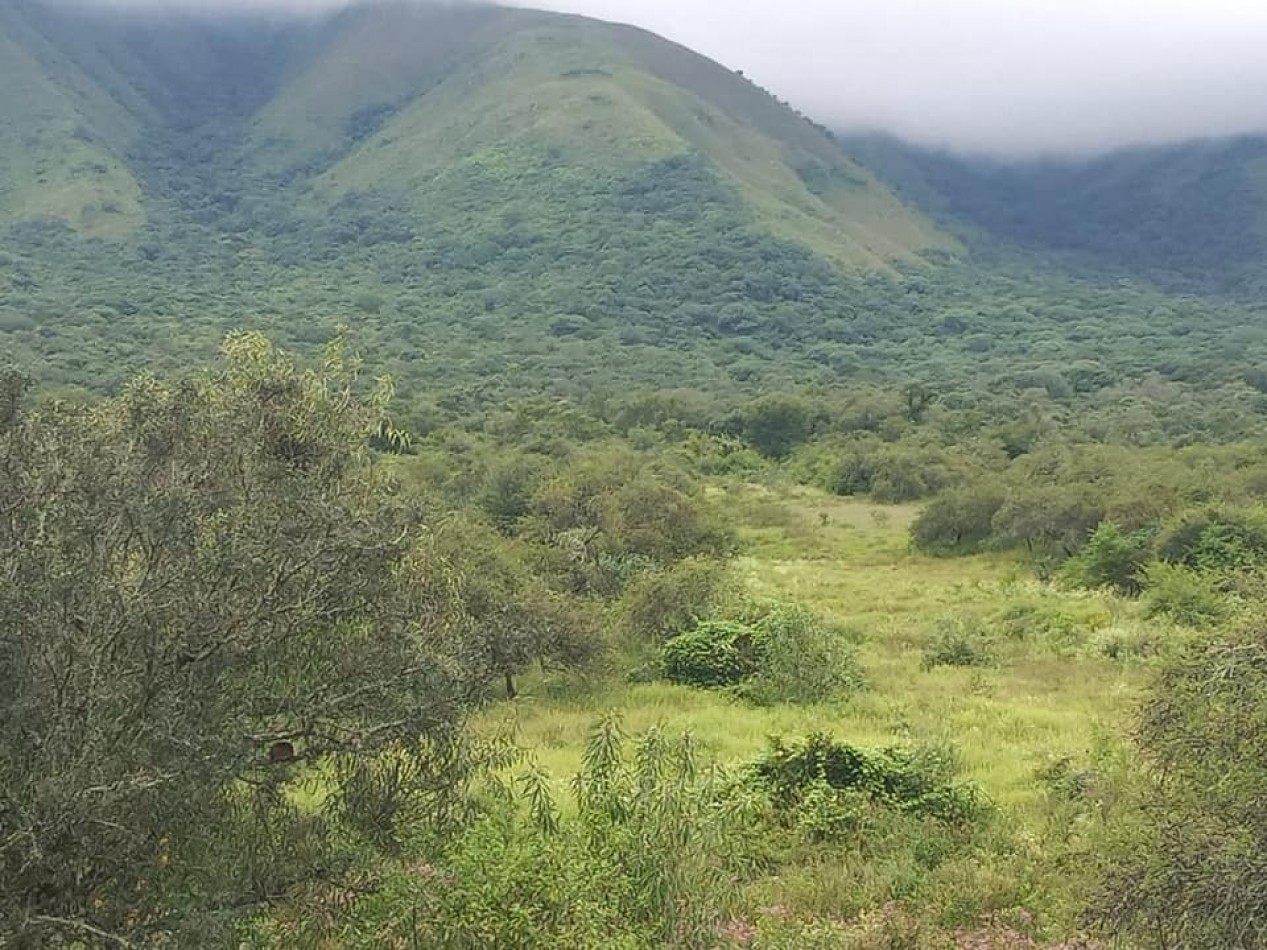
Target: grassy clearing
[[1045, 697], [850, 561]]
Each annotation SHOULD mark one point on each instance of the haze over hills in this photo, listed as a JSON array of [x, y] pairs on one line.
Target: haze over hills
[[404, 99], [1189, 217]]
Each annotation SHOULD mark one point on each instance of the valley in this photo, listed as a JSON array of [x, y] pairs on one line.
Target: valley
[[479, 477]]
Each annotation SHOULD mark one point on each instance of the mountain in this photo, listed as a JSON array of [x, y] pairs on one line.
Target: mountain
[[503, 203], [1189, 217], [105, 113], [479, 191]]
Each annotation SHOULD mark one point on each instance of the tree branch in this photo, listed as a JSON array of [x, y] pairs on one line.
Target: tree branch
[[83, 927]]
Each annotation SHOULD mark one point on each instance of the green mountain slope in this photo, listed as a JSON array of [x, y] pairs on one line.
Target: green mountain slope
[[1190, 217], [505, 203], [401, 98], [61, 136], [474, 189], [430, 103]]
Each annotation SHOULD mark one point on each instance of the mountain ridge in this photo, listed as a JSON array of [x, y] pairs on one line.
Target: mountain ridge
[[1189, 217], [308, 92]]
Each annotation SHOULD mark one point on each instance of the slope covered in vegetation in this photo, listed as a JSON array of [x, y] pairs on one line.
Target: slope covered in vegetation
[[1188, 217], [706, 550]]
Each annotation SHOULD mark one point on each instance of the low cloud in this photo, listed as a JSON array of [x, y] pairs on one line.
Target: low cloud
[[1000, 76], [1007, 76]]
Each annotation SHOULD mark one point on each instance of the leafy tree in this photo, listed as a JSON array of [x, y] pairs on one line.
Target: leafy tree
[[804, 660], [515, 620], [1111, 559], [1184, 595], [204, 589], [959, 521], [1189, 870], [775, 425], [658, 605]]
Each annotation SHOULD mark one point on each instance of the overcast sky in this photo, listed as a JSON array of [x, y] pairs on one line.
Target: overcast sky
[[994, 75]]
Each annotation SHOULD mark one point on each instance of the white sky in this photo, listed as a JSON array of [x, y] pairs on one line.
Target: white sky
[[1015, 76]]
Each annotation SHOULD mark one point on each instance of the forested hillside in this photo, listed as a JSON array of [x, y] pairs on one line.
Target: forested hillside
[[1189, 218], [502, 203]]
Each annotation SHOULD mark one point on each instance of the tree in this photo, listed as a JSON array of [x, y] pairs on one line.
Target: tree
[[1189, 870], [775, 425], [205, 588], [1111, 558], [514, 619]]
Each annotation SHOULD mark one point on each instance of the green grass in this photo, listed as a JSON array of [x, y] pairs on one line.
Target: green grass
[[851, 561]]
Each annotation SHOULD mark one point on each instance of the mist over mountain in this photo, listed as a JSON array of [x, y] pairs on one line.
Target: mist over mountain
[[986, 76], [1190, 217]]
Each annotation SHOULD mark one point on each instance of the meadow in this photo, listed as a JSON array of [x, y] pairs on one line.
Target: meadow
[[1053, 700]]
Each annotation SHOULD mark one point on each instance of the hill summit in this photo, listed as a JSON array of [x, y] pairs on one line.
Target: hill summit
[[454, 115]]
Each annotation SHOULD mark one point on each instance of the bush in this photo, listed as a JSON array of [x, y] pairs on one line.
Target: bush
[[957, 522], [716, 653], [958, 643], [1218, 540], [1183, 595], [646, 852], [804, 661], [775, 425], [773, 652], [1185, 868], [665, 603], [918, 782], [1063, 633], [1111, 559]]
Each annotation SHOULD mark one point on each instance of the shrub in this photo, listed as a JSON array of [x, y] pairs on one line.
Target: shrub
[[773, 652], [775, 425], [957, 522], [716, 653], [1062, 633], [958, 643], [1111, 559], [918, 782], [804, 660], [649, 849], [1185, 596], [663, 604], [1186, 867], [1213, 539]]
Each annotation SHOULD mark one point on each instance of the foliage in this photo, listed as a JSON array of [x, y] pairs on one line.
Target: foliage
[[918, 782], [1215, 539], [803, 659], [662, 604], [1184, 595], [959, 642], [514, 619], [1110, 559], [774, 425], [642, 859], [773, 653], [1188, 870], [959, 521], [716, 653], [208, 590]]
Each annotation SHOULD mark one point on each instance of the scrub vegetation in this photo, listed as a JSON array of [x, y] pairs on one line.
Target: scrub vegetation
[[541, 491]]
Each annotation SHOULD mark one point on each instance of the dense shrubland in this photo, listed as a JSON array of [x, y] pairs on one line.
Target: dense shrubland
[[254, 599]]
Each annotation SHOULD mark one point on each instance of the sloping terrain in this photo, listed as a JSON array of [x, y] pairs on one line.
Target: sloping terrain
[[412, 101], [61, 137], [1190, 217], [502, 203]]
